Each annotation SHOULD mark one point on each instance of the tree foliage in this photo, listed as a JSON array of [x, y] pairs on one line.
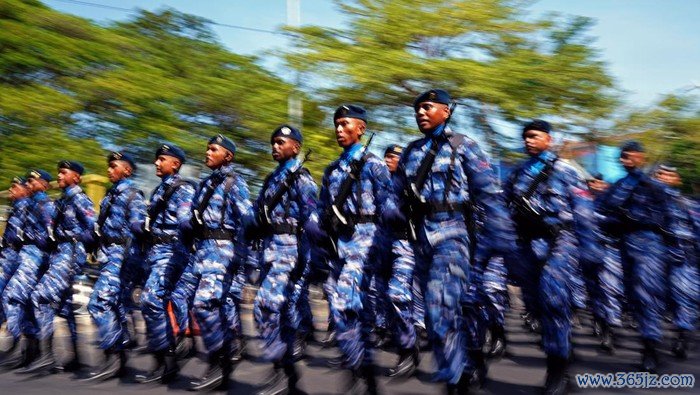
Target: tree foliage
[[73, 89], [488, 53], [670, 131]]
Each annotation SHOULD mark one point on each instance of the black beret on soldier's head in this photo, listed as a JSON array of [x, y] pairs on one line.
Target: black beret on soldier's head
[[117, 155], [632, 146], [289, 132], [171, 150], [223, 141], [433, 96], [71, 165], [350, 111], [538, 124]]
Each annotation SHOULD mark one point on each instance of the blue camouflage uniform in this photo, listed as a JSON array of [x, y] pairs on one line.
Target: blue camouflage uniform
[[11, 244], [460, 177], [635, 213], [167, 257], [549, 251], [123, 209], [72, 229], [402, 286], [684, 284], [33, 258], [207, 278], [358, 250], [283, 256], [606, 290]]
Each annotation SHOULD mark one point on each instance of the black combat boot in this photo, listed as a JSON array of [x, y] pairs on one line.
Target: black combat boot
[[13, 356], [478, 375], [275, 384], [498, 342], [680, 345], [26, 356], [407, 364], [113, 366], [329, 340], [557, 380], [238, 349], [606, 338], [299, 348], [216, 376], [45, 361], [164, 371], [74, 364], [650, 359]]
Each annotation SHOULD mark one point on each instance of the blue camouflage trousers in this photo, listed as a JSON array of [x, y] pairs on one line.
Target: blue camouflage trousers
[[17, 297], [273, 306], [349, 304], [166, 263], [684, 293], [53, 293], [106, 305], [401, 293], [9, 261], [547, 290], [204, 285], [447, 263], [609, 291], [495, 285], [644, 253]]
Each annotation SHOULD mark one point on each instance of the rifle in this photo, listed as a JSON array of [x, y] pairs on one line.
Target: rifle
[[334, 219], [264, 218]]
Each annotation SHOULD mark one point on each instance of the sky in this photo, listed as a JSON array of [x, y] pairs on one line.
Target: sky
[[652, 47]]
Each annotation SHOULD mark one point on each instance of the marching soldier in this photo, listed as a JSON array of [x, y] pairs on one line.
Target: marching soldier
[[546, 197], [355, 192], [403, 286], [286, 202], [169, 211], [440, 177], [13, 237], [683, 279], [118, 228], [221, 213], [33, 258], [70, 233], [635, 212]]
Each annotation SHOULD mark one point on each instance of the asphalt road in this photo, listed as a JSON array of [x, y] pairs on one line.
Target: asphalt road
[[522, 370]]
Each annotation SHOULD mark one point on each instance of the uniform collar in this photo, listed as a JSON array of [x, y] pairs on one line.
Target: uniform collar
[[72, 190], [352, 152], [224, 170], [122, 184], [290, 164]]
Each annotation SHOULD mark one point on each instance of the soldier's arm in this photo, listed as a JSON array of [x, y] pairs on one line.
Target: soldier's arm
[[183, 198], [242, 209], [383, 187], [308, 198], [85, 211], [137, 212], [483, 189]]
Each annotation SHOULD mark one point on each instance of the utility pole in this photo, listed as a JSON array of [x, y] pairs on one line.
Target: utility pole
[[295, 111]]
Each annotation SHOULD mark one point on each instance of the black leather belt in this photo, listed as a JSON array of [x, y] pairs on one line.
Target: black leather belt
[[216, 234], [164, 239], [283, 229]]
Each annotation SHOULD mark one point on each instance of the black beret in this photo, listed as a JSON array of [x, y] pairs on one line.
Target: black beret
[[631, 146], [40, 174], [223, 141], [393, 149], [433, 96], [19, 180], [669, 168], [287, 131], [350, 111], [71, 165], [538, 124], [122, 156], [171, 150]]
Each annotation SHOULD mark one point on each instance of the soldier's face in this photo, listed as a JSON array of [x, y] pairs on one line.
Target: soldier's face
[[166, 165], [217, 156], [18, 191], [536, 141], [349, 131], [392, 161], [670, 178], [631, 160], [284, 148], [430, 115], [37, 185], [67, 177], [118, 170]]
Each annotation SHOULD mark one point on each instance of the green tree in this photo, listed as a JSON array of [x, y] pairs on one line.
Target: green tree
[[670, 130], [487, 53]]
